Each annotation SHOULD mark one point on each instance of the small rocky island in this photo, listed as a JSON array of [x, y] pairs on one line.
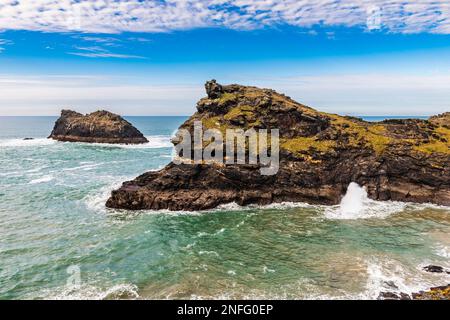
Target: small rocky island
[[320, 155], [96, 127]]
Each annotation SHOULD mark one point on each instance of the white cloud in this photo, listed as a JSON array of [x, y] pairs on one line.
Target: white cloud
[[105, 40], [105, 55], [100, 52], [108, 16]]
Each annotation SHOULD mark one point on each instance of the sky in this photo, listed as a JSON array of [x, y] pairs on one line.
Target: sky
[[137, 57]]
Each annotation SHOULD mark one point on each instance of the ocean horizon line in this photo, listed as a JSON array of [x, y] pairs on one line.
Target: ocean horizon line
[[175, 116]]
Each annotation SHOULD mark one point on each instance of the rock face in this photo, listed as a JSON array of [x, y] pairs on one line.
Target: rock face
[[97, 127], [320, 154]]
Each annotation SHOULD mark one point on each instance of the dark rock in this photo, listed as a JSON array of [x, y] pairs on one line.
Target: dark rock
[[388, 296], [435, 269], [213, 89], [436, 293], [97, 127], [28, 139], [320, 155], [404, 296], [391, 284], [393, 296]]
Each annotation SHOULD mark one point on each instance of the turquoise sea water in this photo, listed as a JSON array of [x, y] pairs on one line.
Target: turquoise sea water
[[53, 224]]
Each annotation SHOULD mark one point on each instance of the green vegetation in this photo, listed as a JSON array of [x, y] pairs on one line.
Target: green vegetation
[[226, 98], [302, 144], [441, 145], [373, 135], [214, 123], [245, 111], [433, 147]]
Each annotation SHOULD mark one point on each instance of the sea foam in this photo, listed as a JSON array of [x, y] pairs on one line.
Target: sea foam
[[43, 179], [26, 143], [89, 292], [154, 142]]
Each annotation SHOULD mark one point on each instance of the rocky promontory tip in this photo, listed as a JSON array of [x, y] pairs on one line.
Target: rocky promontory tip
[[320, 155], [96, 127]]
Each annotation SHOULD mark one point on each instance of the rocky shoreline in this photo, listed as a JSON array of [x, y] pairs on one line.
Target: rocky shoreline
[[320, 155], [435, 293], [96, 127]]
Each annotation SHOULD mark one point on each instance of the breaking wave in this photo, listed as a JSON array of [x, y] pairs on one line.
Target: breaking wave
[[96, 201], [233, 206], [88, 292], [44, 179], [154, 142], [385, 275], [26, 143]]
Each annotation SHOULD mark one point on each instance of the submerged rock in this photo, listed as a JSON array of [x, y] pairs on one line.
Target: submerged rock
[[320, 155], [97, 127], [435, 269]]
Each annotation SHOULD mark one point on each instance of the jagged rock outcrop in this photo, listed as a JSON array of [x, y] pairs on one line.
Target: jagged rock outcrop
[[96, 127], [320, 154]]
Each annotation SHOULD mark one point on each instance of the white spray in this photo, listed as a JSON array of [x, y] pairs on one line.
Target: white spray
[[357, 205]]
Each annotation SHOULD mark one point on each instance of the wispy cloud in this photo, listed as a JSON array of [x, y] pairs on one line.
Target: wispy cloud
[[4, 42], [105, 55], [100, 39], [100, 52], [139, 39], [105, 41], [100, 16]]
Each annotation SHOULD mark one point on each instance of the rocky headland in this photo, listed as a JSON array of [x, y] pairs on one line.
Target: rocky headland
[[96, 127], [320, 155]]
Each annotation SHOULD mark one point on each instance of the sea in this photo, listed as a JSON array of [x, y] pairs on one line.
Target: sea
[[59, 241]]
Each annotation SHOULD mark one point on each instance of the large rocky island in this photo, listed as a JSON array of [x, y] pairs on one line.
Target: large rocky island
[[96, 127], [320, 154]]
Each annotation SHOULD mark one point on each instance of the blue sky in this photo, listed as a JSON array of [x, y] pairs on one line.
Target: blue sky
[[153, 57]]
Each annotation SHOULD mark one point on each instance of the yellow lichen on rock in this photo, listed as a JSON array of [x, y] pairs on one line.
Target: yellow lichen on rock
[[434, 146], [439, 142], [374, 136], [303, 144], [245, 110], [226, 98]]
